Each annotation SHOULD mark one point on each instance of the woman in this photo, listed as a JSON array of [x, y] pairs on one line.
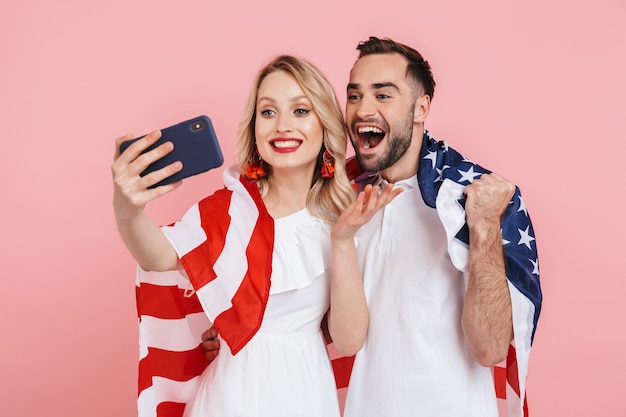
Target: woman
[[287, 212]]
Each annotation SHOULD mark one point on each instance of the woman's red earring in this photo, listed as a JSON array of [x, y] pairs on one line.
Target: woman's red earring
[[328, 165], [256, 169]]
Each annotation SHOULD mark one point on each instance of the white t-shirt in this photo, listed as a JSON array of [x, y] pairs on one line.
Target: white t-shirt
[[415, 361]]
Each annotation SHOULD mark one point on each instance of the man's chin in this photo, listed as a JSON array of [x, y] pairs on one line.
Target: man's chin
[[368, 162]]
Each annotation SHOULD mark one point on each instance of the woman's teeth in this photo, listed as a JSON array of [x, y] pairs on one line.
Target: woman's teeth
[[286, 144]]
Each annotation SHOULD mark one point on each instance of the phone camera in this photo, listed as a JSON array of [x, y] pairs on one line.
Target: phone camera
[[198, 125]]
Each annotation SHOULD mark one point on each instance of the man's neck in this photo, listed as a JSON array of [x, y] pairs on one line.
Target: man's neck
[[407, 166]]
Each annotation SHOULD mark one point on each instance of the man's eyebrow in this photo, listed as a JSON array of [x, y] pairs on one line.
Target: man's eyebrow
[[375, 86], [383, 85]]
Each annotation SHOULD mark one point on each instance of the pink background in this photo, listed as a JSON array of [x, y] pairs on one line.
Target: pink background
[[534, 90]]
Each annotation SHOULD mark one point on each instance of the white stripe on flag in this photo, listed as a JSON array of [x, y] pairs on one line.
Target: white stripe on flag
[[216, 295], [165, 278], [187, 234], [177, 335], [523, 319], [164, 390], [452, 216]]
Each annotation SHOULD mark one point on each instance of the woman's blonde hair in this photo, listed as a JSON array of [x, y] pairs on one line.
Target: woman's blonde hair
[[328, 197]]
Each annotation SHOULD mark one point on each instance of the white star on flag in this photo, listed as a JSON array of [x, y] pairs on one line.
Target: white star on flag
[[468, 175], [522, 206], [432, 156], [535, 266], [525, 238], [440, 172]]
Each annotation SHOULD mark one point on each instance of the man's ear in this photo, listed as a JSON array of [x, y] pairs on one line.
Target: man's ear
[[422, 107]]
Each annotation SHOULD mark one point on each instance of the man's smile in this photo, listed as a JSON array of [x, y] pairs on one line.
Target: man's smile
[[369, 136]]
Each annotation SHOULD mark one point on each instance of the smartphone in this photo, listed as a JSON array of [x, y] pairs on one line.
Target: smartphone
[[195, 145]]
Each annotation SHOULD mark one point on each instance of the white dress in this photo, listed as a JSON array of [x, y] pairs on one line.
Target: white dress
[[284, 370]]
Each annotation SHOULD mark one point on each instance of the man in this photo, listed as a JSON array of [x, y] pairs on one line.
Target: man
[[440, 315]]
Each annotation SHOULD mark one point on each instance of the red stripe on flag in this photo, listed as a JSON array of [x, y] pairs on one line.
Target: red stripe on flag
[[177, 366], [499, 380], [170, 409], [511, 370], [165, 302], [342, 368], [525, 406], [238, 324], [214, 217], [512, 377]]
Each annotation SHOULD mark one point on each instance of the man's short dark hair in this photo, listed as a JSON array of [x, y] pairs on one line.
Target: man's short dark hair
[[418, 69]]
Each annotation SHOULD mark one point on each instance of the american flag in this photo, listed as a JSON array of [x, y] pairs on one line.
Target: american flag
[[172, 318], [226, 283], [170, 356], [440, 167]]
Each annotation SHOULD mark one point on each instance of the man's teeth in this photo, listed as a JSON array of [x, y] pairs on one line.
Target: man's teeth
[[369, 129], [370, 133], [286, 144]]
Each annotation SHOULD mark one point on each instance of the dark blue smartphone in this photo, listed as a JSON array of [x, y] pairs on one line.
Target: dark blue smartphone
[[195, 145]]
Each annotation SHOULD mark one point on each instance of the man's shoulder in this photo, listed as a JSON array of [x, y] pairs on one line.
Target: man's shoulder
[[447, 162]]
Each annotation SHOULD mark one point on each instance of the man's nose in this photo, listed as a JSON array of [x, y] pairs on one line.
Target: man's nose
[[365, 108]]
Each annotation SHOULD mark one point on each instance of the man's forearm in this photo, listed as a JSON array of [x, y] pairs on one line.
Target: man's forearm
[[487, 314]]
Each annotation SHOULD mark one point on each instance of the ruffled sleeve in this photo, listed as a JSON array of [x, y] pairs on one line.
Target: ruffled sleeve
[[302, 251]]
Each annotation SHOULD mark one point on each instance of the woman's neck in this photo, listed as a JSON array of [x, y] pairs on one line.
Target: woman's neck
[[287, 194]]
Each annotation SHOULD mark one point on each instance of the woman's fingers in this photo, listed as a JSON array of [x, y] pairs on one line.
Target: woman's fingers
[[377, 199], [131, 192], [134, 160], [118, 143]]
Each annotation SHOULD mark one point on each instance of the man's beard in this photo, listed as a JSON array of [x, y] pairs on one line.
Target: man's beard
[[397, 145]]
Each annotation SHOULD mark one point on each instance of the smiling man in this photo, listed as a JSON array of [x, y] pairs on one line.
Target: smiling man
[[383, 106], [449, 267]]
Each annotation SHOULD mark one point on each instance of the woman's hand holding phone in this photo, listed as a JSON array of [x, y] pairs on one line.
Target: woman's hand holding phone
[[153, 165], [131, 191]]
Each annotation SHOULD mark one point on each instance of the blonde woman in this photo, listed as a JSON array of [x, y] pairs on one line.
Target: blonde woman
[[270, 254]]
